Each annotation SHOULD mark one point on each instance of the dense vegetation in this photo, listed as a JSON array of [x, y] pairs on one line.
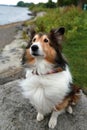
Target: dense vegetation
[[75, 44], [23, 4], [51, 4]]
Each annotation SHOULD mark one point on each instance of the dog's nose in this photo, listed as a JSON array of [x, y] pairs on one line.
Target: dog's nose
[[34, 48]]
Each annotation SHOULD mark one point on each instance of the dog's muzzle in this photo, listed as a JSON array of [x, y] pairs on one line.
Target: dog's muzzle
[[35, 50]]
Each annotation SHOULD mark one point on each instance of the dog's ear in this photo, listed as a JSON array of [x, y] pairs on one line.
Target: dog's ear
[[31, 32], [57, 34], [60, 31]]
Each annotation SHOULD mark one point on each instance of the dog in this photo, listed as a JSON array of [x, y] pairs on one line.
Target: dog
[[48, 83]]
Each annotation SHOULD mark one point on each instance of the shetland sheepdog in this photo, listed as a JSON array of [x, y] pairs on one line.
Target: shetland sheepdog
[[48, 83]]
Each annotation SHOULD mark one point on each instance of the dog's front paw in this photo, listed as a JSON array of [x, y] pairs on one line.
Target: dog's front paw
[[40, 117], [52, 123], [70, 110]]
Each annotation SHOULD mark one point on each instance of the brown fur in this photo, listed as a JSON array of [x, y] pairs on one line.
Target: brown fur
[[71, 99], [48, 50], [75, 94], [28, 57], [63, 104], [60, 69]]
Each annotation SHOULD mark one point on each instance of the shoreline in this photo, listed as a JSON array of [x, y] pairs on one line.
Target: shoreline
[[8, 33], [11, 24]]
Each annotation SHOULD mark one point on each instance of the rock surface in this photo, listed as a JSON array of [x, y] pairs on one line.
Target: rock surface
[[16, 113], [10, 59]]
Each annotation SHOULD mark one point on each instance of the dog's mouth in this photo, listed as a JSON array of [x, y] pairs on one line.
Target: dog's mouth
[[35, 54]]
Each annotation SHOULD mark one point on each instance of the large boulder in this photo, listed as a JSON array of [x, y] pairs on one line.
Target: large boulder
[[16, 113]]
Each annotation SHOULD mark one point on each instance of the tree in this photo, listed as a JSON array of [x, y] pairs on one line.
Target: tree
[[50, 4], [78, 3], [66, 2], [81, 3], [20, 3], [59, 2]]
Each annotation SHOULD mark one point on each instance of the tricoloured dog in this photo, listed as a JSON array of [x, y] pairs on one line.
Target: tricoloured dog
[[48, 83]]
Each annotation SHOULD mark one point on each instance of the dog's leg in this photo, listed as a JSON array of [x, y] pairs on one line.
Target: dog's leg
[[40, 117], [69, 109], [53, 119]]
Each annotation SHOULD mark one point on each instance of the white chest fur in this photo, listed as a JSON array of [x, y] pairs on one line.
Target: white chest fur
[[45, 91]]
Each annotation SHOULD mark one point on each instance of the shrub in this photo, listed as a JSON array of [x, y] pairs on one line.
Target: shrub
[[71, 18]]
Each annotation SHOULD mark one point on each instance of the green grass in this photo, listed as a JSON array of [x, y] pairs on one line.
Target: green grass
[[76, 53], [75, 44], [37, 9]]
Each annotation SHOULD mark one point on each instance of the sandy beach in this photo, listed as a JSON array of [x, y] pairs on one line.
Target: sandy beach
[[7, 33]]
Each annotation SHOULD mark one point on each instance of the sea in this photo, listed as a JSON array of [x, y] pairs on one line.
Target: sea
[[12, 14]]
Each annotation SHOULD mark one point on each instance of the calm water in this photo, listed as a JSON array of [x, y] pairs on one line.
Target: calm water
[[9, 14]]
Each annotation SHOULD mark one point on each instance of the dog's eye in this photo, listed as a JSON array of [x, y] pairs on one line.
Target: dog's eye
[[34, 39], [45, 40]]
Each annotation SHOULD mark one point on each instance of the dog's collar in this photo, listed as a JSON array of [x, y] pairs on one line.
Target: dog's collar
[[59, 69]]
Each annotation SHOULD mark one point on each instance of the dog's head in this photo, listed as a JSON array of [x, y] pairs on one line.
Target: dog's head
[[45, 46]]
